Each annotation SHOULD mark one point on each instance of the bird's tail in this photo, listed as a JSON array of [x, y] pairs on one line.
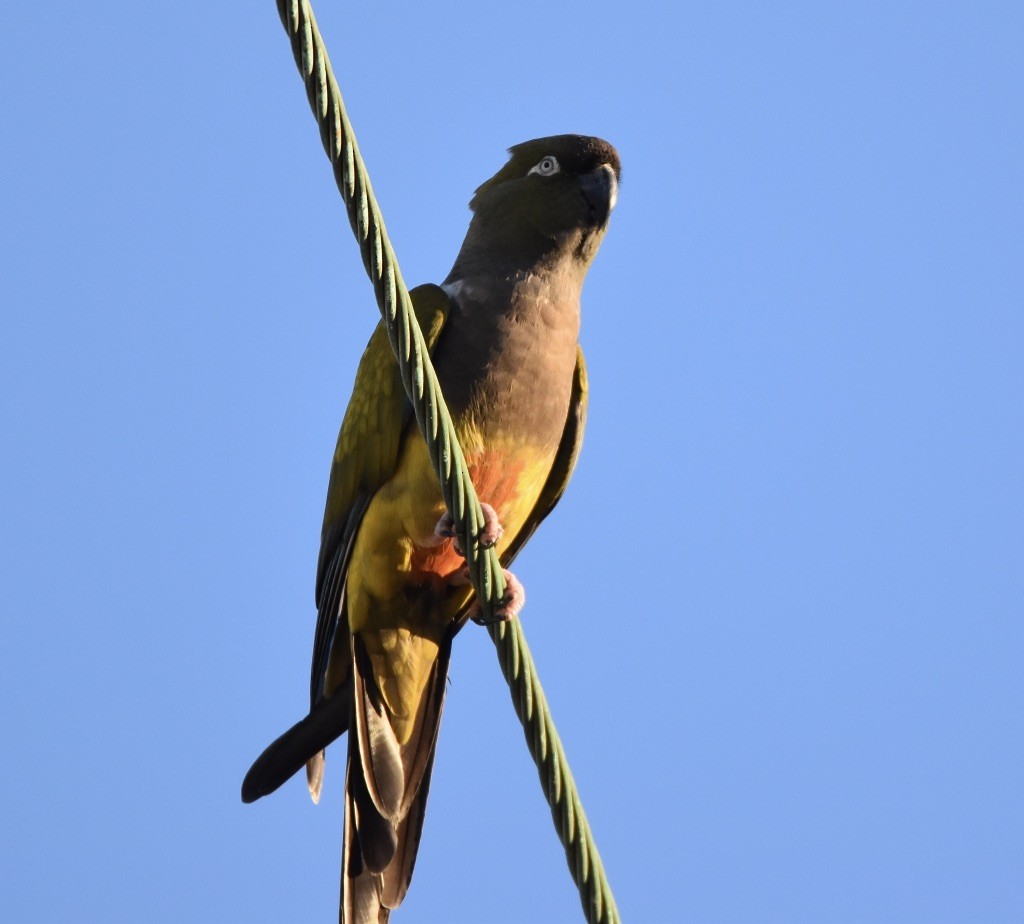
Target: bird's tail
[[387, 781], [303, 742]]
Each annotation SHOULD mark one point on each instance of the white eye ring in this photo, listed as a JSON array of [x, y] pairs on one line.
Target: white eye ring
[[547, 167]]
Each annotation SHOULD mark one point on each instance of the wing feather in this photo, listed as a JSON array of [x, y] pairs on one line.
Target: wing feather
[[563, 465], [365, 457], [376, 422]]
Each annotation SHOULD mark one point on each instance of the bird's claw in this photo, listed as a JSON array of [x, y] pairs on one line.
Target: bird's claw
[[489, 534], [514, 598], [510, 605], [445, 528], [492, 530]]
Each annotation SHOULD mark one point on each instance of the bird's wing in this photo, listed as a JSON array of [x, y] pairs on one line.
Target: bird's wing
[[563, 465], [377, 418], [365, 457]]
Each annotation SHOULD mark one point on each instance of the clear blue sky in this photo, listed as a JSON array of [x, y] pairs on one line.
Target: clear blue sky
[[779, 613]]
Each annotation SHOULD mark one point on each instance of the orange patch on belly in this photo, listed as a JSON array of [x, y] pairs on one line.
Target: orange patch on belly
[[434, 566], [498, 479]]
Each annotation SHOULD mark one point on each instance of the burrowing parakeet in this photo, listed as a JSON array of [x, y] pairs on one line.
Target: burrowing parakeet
[[391, 593]]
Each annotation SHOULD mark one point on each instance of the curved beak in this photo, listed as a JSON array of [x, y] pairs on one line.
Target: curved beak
[[601, 190]]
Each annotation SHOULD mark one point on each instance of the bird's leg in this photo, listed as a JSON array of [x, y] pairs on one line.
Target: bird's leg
[[514, 598], [489, 534], [510, 605]]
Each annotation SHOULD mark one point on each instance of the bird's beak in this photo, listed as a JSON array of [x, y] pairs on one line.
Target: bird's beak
[[601, 190]]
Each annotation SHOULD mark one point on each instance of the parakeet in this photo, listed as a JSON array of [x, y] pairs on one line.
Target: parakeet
[[391, 591]]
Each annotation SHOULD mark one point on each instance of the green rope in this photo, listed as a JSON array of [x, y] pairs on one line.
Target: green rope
[[446, 456]]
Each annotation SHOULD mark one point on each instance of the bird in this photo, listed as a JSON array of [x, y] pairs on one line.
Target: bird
[[391, 588]]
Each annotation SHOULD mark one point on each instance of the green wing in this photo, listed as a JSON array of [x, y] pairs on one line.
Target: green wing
[[366, 455], [376, 421]]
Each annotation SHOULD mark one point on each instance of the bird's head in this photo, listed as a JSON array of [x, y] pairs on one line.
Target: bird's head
[[550, 202]]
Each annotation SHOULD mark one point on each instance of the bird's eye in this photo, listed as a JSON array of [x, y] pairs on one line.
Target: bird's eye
[[547, 167]]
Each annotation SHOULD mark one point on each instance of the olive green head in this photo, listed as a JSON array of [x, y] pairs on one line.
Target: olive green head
[[551, 200]]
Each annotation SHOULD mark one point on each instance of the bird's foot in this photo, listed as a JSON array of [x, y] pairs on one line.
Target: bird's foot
[[510, 605], [489, 534]]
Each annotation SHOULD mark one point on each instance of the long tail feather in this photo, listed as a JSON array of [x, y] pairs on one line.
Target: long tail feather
[[396, 878], [360, 887], [302, 742], [386, 792]]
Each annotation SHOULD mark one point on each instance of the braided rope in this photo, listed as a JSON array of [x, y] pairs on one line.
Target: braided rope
[[447, 458]]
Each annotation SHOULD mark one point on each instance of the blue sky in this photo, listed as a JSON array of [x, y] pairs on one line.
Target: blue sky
[[778, 615]]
